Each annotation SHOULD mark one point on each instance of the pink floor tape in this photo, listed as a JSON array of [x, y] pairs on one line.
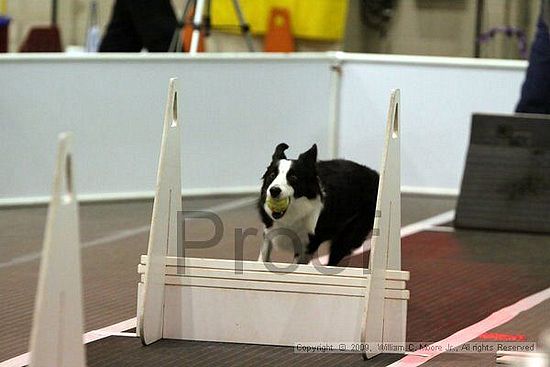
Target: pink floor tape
[[498, 318]]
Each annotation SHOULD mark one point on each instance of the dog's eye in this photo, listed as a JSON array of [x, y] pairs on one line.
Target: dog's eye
[[272, 175], [292, 178]]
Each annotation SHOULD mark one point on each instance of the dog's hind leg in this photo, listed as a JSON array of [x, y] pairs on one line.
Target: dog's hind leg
[[313, 245], [352, 236], [337, 254]]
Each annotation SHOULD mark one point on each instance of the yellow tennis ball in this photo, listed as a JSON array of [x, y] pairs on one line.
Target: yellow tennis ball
[[278, 205]]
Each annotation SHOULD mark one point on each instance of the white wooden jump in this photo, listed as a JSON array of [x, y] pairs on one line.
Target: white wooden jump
[[206, 299], [56, 338]]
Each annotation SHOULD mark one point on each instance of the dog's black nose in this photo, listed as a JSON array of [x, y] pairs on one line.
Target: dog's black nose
[[275, 191]]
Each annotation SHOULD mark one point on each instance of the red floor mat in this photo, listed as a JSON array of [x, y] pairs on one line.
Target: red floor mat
[[460, 278]]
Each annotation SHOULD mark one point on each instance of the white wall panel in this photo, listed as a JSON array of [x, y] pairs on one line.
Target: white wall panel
[[234, 111], [438, 96]]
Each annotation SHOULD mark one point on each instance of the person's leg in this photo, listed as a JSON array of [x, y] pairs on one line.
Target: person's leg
[[535, 93], [121, 35], [155, 22]]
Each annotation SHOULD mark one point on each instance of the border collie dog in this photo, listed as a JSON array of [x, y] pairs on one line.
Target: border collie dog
[[305, 202]]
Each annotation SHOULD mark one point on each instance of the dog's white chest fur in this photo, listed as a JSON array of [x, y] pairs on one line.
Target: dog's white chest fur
[[294, 227]]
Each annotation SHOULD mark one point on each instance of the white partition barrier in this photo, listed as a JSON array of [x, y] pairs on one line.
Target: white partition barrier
[[439, 97], [240, 107]]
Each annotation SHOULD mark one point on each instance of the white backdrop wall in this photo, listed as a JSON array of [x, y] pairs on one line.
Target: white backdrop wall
[[438, 97], [234, 110]]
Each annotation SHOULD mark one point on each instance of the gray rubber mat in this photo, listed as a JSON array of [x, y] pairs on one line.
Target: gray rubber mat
[[506, 182], [124, 351]]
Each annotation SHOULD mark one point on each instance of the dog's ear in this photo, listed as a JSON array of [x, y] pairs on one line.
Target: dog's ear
[[279, 152], [309, 156]]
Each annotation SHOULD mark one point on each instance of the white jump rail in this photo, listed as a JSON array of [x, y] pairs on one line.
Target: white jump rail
[[56, 338], [272, 304]]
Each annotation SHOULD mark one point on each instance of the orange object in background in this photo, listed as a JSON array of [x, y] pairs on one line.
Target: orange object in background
[[187, 32], [279, 36]]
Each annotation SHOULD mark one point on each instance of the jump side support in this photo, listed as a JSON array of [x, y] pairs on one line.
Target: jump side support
[[56, 337]]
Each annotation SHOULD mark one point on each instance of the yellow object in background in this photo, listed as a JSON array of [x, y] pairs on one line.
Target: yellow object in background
[[3, 7], [311, 19]]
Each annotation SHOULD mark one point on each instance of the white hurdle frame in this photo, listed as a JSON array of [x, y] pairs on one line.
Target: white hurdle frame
[[208, 299], [56, 337]]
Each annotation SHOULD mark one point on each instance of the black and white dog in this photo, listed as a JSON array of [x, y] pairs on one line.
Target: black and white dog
[[305, 202]]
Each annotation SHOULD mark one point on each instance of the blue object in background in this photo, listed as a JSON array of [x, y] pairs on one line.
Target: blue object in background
[[535, 93], [4, 25], [93, 35], [93, 39]]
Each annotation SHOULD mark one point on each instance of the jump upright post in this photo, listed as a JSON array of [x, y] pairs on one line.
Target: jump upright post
[[56, 337]]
